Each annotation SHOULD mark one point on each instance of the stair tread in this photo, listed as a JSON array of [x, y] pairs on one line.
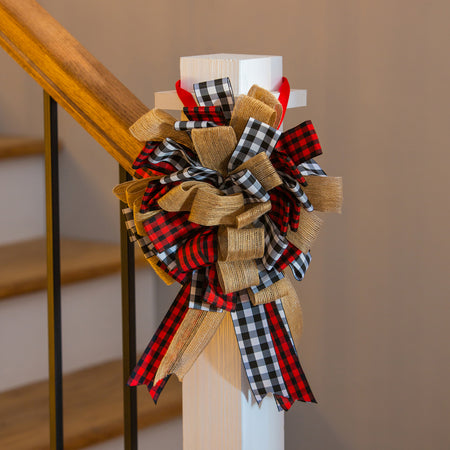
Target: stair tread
[[24, 263], [14, 146], [92, 409]]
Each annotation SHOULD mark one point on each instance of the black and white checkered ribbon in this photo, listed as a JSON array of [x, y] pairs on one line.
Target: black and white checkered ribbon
[[216, 93], [198, 284], [174, 153], [144, 242], [311, 168], [188, 125], [257, 348], [294, 186], [257, 137], [244, 181]]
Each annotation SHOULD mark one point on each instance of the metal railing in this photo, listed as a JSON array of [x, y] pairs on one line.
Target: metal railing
[[54, 294]]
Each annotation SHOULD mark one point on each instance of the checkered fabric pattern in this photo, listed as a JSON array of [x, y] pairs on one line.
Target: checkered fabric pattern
[[311, 168], [143, 241], [216, 93], [266, 277], [284, 403], [153, 192], [244, 181], [196, 173], [198, 288], [275, 243], [290, 254], [173, 153], [142, 166], [284, 164], [294, 186], [213, 293], [142, 158], [156, 389], [280, 212], [205, 288], [206, 113], [183, 125], [257, 349], [167, 262], [130, 225], [201, 250], [285, 209], [300, 265], [166, 229], [168, 257], [301, 143], [257, 137], [293, 375], [148, 365]]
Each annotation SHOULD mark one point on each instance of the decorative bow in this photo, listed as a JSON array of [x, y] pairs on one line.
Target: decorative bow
[[224, 207]]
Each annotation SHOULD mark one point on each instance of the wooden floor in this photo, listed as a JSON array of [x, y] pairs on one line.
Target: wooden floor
[[13, 147], [23, 264], [92, 410]]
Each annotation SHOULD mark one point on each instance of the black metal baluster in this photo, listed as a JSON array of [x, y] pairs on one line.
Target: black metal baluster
[[128, 328], [53, 273]]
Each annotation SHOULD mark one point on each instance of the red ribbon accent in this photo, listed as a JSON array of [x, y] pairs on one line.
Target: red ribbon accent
[[188, 100], [185, 96], [283, 98]]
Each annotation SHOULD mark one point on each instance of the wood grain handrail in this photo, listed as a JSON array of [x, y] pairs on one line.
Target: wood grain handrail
[[72, 76]]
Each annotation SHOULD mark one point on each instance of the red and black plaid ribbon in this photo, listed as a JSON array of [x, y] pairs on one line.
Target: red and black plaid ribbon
[[165, 229], [206, 113], [301, 143], [293, 375], [148, 365], [199, 251]]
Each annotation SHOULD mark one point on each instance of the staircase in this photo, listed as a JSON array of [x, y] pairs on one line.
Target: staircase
[[91, 310], [91, 320]]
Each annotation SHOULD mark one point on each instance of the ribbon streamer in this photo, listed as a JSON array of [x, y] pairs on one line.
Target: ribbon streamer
[[224, 206]]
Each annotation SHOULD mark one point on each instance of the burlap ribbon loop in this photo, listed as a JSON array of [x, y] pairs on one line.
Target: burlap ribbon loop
[[251, 213], [157, 125], [308, 230], [239, 245], [211, 209], [275, 291], [263, 170], [214, 146], [237, 275], [325, 193], [131, 192], [293, 310], [269, 99], [247, 107], [181, 197]]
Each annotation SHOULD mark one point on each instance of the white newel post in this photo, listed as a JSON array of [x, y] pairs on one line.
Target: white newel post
[[219, 410]]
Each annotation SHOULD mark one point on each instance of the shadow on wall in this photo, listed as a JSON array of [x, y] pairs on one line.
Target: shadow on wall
[[312, 430]]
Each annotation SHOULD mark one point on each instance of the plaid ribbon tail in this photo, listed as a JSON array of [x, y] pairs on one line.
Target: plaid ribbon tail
[[147, 367], [293, 375], [257, 349], [268, 353]]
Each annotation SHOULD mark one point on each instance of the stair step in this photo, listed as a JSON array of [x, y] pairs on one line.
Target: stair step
[[14, 146], [92, 409], [24, 263]]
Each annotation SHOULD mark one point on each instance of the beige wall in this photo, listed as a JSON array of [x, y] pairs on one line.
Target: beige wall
[[376, 342]]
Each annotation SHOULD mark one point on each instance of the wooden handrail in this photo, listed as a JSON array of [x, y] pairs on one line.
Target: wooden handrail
[[72, 76]]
